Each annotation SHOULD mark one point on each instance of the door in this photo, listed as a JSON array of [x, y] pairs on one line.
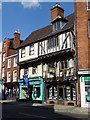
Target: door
[[30, 89]]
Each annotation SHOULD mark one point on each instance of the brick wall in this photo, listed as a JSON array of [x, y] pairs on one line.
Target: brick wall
[[81, 20], [9, 52]]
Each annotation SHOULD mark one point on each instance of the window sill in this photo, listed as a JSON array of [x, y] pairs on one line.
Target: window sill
[[15, 66], [8, 67]]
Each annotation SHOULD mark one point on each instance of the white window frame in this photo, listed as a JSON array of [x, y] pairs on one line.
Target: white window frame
[[15, 75], [8, 77], [31, 49], [3, 57], [34, 70], [23, 52], [9, 63], [15, 61], [3, 69]]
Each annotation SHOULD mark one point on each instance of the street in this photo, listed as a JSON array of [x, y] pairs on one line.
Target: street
[[26, 111]]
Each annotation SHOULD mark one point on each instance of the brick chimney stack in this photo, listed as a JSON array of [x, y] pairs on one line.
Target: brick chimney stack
[[16, 38], [56, 11]]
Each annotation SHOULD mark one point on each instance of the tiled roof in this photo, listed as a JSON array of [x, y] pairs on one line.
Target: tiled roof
[[45, 32]]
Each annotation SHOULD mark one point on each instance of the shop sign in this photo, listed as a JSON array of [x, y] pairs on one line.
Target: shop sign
[[87, 78], [25, 79]]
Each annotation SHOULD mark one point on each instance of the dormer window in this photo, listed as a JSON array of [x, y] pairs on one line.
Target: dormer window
[[58, 25]]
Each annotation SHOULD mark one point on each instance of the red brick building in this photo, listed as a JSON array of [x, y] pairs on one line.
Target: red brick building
[[82, 26], [10, 69]]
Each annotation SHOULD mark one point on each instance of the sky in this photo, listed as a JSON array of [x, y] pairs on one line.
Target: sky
[[28, 16]]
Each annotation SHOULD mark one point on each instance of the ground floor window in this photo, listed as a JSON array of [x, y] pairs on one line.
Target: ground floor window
[[87, 91], [70, 92], [52, 92], [25, 93], [36, 92]]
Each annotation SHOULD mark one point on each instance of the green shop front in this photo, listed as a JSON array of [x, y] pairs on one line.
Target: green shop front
[[32, 90], [85, 88]]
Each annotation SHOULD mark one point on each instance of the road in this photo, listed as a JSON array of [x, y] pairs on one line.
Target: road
[[24, 111]]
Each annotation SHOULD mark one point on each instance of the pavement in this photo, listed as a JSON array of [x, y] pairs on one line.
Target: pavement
[[56, 107]]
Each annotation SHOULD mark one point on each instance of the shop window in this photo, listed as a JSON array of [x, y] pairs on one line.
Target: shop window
[[70, 93], [31, 49], [87, 91], [23, 52], [25, 93], [36, 93], [52, 92]]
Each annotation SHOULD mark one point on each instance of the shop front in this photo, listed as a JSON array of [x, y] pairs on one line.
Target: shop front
[[85, 90], [34, 90], [60, 92]]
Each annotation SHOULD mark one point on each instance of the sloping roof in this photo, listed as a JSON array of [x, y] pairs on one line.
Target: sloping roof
[[45, 32]]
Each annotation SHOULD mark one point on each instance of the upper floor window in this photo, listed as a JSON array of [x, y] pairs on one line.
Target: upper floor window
[[53, 42], [3, 57], [34, 70], [9, 63], [23, 52], [88, 4], [31, 49], [8, 76], [26, 71], [15, 61], [3, 72], [89, 28], [58, 25], [64, 64], [15, 75], [4, 44]]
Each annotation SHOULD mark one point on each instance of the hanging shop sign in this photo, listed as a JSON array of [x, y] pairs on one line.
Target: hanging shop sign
[[25, 79]]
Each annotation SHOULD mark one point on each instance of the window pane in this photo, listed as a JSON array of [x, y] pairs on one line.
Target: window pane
[[22, 52], [89, 27], [31, 50], [88, 4]]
